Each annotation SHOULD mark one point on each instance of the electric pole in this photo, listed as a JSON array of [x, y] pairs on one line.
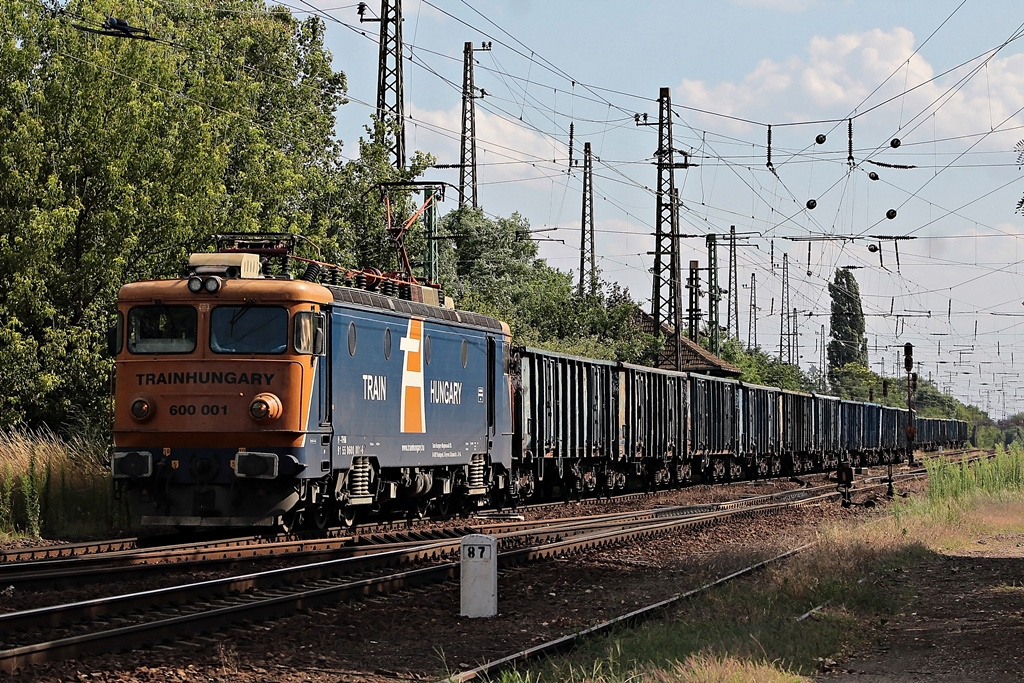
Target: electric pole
[[431, 196], [588, 263], [908, 364], [667, 292], [821, 360], [795, 360], [732, 316], [714, 296], [752, 323], [390, 94], [467, 160], [786, 333], [693, 312]]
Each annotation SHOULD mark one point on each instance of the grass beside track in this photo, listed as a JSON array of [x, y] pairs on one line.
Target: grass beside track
[[748, 630], [54, 487]]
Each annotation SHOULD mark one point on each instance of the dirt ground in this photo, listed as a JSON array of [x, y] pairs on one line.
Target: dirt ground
[[963, 620]]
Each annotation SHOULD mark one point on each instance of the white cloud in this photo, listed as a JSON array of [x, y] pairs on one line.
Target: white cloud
[[839, 75], [506, 150]]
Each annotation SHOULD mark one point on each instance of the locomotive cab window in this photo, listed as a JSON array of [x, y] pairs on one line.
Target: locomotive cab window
[[309, 333], [162, 329], [249, 329]]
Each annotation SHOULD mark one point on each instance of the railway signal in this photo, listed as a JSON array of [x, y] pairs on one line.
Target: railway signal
[[908, 363]]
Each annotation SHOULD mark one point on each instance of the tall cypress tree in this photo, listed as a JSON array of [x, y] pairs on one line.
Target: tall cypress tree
[[849, 343]]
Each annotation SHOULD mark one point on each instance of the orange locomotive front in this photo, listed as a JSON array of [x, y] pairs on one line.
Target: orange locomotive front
[[216, 379]]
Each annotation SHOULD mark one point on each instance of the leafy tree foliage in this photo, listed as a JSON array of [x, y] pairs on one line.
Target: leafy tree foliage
[[119, 157], [849, 343]]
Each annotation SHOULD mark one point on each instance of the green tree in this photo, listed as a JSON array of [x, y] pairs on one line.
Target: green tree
[[849, 344], [119, 157]]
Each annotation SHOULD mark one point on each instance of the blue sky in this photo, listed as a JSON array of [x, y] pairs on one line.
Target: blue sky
[[938, 75]]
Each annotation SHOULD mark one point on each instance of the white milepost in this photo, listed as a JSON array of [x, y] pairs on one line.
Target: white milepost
[[479, 576]]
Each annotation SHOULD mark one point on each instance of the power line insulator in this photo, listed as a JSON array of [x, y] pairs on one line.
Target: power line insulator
[[811, 203], [890, 214], [820, 139], [873, 175], [894, 143]]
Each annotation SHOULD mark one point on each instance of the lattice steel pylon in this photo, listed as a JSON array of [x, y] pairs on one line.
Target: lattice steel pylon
[[588, 261], [795, 359], [786, 331], [390, 90], [693, 312], [732, 315], [714, 296], [667, 290], [752, 323], [467, 159]]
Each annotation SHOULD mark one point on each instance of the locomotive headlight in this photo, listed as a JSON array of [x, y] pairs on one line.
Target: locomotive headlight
[[195, 284], [265, 407], [211, 284], [142, 408]]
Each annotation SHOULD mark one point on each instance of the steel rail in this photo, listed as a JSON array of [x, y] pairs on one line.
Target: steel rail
[[124, 563], [250, 606]]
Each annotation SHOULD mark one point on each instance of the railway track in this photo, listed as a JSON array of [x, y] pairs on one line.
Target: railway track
[[120, 559], [61, 565], [131, 620], [112, 561]]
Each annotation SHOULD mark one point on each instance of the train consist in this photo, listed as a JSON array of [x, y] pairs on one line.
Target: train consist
[[248, 397]]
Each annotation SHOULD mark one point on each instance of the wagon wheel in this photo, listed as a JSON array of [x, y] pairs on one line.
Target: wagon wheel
[[443, 507], [418, 508], [289, 521]]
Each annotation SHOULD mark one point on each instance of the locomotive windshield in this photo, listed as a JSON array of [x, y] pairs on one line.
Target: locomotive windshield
[[249, 329], [162, 329]]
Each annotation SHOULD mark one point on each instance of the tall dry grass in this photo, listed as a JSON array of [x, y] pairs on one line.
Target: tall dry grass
[[54, 487], [957, 483]]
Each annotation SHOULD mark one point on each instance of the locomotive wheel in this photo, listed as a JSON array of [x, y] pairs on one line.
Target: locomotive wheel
[[320, 517]]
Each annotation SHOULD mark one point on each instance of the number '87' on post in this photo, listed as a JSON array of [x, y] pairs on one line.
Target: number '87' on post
[[476, 552]]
